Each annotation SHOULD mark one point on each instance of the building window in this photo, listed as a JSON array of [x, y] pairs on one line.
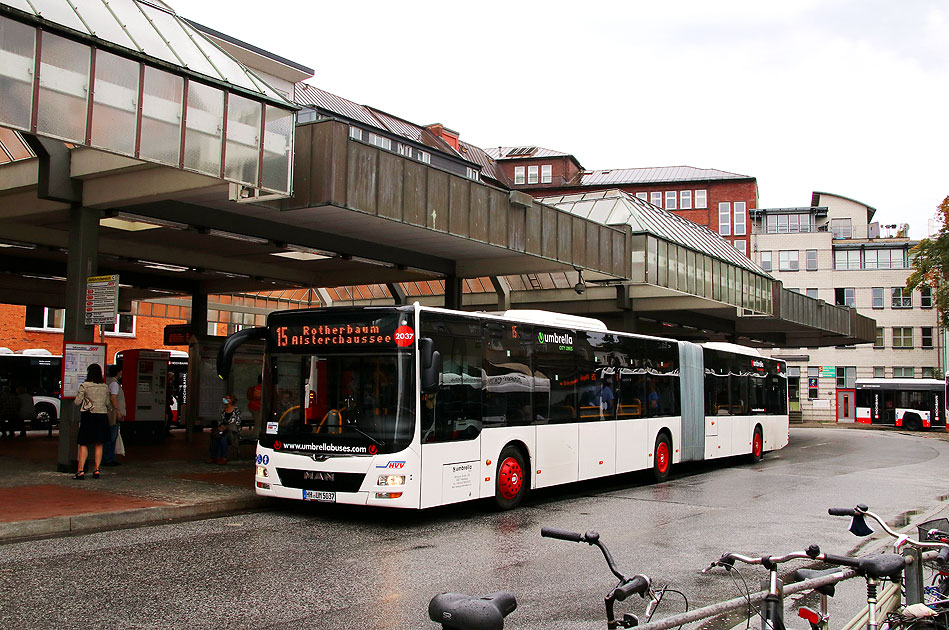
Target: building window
[[788, 223], [546, 173], [45, 318], [846, 377], [518, 174], [741, 245], [424, 156], [725, 218], [740, 218], [355, 133], [643, 196], [813, 373], [902, 337], [766, 261], [701, 199], [811, 293], [841, 228], [685, 200], [883, 259], [879, 341], [927, 372], [811, 257], [655, 198], [903, 372], [532, 174], [671, 197], [473, 174], [879, 371], [926, 337], [877, 297], [787, 260], [124, 326], [405, 150], [380, 141], [925, 297], [846, 259], [902, 298], [845, 296]]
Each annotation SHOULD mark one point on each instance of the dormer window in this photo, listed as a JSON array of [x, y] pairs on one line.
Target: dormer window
[[518, 174], [532, 174], [546, 173]]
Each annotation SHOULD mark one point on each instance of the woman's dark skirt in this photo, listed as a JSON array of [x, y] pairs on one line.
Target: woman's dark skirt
[[93, 428]]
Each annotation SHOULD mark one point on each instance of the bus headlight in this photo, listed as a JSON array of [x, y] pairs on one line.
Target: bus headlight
[[262, 471], [391, 480]]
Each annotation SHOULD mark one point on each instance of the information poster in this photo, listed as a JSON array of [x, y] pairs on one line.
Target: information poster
[[828, 371], [77, 357], [102, 300]]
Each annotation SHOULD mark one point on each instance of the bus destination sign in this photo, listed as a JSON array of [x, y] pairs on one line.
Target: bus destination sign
[[342, 336]]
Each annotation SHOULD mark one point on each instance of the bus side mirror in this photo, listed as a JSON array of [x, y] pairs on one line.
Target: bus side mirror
[[430, 363], [226, 354]]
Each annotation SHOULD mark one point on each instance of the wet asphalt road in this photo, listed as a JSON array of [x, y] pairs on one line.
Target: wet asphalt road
[[316, 566]]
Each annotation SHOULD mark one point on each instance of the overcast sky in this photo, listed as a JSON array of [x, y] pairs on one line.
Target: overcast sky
[[842, 96]]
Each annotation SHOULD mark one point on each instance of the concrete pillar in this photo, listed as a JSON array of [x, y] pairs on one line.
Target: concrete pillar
[[81, 262], [199, 330], [453, 292], [503, 289], [398, 294]]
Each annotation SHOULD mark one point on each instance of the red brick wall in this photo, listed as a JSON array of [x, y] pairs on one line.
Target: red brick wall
[[13, 334]]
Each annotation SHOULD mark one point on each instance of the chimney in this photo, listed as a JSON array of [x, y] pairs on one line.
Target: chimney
[[446, 134]]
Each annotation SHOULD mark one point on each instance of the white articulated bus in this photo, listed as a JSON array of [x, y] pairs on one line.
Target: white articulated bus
[[416, 407]]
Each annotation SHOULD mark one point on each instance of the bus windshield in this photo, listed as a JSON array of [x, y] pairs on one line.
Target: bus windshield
[[351, 403]]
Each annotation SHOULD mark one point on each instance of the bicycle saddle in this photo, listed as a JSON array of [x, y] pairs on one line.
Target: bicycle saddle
[[466, 612], [886, 565], [810, 574]]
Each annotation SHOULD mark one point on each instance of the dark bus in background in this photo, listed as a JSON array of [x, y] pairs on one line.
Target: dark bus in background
[[911, 403], [40, 374]]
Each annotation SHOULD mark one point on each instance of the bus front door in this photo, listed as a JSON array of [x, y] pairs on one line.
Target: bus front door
[[846, 410]]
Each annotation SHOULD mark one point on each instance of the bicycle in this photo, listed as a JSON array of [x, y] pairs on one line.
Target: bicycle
[[638, 584], [455, 611], [932, 546], [874, 568]]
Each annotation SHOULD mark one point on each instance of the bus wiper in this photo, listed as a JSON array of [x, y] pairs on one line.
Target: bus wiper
[[361, 432]]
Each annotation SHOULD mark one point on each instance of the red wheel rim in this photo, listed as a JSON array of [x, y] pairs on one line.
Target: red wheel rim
[[510, 478], [756, 445], [662, 457]]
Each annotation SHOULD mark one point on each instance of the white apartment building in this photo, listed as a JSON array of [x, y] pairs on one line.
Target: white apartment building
[[834, 251]]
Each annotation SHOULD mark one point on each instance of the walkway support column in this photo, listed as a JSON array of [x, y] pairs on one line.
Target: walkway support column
[[453, 292], [199, 330], [503, 288], [81, 262]]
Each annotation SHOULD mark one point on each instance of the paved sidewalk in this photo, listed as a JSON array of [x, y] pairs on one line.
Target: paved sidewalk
[[157, 482]]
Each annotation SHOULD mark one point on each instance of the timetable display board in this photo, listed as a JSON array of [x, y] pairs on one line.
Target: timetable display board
[[77, 357]]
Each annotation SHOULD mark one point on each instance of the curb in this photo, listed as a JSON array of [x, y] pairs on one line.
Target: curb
[[60, 525]]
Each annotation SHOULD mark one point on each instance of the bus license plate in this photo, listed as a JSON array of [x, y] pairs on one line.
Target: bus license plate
[[319, 495]]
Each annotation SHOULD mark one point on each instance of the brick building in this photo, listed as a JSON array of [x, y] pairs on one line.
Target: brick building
[[719, 200]]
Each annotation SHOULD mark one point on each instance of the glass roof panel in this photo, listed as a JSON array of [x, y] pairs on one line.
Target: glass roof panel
[[148, 39], [184, 46], [103, 24], [602, 210], [59, 11], [582, 208], [22, 5]]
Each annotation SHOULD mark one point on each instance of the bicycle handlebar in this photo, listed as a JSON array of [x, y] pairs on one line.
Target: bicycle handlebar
[[728, 559], [561, 534], [860, 528]]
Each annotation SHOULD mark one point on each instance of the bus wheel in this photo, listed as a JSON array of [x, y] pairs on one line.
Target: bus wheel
[[510, 484], [662, 458], [45, 416], [911, 422], [757, 445]]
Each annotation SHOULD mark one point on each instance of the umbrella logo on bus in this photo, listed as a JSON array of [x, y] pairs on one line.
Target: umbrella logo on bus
[[404, 336]]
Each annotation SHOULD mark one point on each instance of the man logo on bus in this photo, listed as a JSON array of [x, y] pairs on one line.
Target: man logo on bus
[[371, 449], [277, 445], [404, 336]]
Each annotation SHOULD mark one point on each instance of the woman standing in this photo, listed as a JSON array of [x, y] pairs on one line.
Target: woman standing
[[221, 434], [93, 401]]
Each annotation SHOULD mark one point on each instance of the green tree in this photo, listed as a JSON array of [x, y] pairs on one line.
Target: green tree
[[931, 264]]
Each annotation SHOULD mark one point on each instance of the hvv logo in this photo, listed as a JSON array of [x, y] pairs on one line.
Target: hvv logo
[[393, 465]]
